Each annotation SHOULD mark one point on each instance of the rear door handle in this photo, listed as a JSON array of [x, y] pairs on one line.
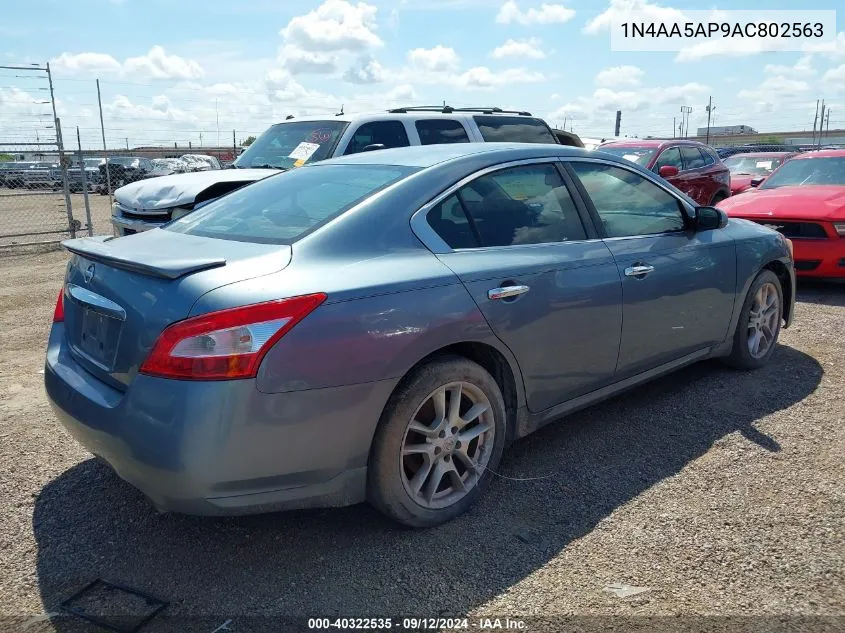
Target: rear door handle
[[506, 292], [638, 270]]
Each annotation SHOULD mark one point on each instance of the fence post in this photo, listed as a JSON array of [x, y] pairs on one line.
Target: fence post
[[63, 166], [84, 177]]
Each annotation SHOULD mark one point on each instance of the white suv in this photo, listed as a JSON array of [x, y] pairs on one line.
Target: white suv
[[294, 142]]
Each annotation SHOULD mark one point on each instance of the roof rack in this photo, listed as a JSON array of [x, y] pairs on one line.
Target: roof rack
[[449, 110]]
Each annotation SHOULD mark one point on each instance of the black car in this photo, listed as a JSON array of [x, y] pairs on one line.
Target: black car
[[125, 169]]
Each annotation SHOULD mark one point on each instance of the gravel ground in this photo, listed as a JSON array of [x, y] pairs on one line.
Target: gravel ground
[[720, 493]]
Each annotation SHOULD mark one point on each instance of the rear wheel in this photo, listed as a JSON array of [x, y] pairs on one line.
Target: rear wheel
[[759, 323], [439, 436]]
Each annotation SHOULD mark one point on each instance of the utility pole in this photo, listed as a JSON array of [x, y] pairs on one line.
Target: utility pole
[[827, 133], [685, 111], [105, 149], [62, 162], [618, 123], [821, 126], [674, 122], [710, 108], [217, 114], [234, 146], [127, 143], [815, 120]]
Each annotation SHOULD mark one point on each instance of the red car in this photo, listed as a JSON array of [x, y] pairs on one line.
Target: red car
[[752, 166], [692, 167], [804, 199]]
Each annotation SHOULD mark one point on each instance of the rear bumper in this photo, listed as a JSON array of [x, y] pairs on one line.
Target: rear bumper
[[220, 447], [820, 258]]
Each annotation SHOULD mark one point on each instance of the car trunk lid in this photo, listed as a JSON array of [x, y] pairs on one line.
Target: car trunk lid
[[121, 293]]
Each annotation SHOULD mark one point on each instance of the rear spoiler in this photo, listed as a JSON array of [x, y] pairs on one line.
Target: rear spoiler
[[146, 262]]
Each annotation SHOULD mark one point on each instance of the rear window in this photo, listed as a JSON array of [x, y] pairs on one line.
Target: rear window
[[514, 129], [437, 131], [284, 208], [292, 144]]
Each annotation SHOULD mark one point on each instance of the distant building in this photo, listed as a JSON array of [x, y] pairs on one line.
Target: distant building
[[726, 130]]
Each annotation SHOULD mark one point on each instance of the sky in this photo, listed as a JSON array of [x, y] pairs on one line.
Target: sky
[[195, 70]]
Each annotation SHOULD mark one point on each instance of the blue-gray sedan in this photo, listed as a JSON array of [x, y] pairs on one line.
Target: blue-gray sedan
[[378, 327]]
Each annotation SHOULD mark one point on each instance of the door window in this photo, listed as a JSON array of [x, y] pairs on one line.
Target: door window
[[387, 133], [434, 131], [516, 206], [671, 157], [627, 203], [692, 157]]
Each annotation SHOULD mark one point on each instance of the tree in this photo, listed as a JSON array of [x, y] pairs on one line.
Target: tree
[[769, 140], [249, 141], [6, 158]]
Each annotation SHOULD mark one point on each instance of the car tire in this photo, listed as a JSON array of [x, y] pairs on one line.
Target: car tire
[[752, 323], [412, 450]]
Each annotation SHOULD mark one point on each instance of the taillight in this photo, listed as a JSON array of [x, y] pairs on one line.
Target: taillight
[[59, 312], [228, 344]]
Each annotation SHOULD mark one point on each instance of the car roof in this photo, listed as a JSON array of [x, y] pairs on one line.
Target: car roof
[[398, 116], [651, 142], [423, 156], [825, 153], [761, 154]]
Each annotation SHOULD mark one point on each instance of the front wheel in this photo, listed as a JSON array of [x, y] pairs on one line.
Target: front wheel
[[759, 323], [439, 436]]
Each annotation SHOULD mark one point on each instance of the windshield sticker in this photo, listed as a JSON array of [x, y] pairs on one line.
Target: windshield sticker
[[304, 151], [631, 157], [321, 135], [299, 163], [764, 164]]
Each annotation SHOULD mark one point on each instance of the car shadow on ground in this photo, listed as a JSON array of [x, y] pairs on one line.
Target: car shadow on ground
[[826, 292], [351, 561]]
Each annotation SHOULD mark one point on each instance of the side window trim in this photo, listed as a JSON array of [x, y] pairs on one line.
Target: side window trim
[[429, 237], [683, 208]]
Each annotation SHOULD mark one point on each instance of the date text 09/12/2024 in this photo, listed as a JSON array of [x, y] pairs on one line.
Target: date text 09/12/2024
[[416, 624]]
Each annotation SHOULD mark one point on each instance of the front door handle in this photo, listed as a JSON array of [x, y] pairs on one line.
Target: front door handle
[[507, 292], [638, 270]]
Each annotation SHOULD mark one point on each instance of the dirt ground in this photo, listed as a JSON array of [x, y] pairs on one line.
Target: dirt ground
[[717, 493], [36, 216]]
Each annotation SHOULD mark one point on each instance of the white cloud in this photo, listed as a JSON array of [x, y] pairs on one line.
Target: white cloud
[[367, 71], [802, 68], [482, 78], [604, 102], [300, 61], [617, 11], [85, 63], [771, 91], [437, 59], [336, 25], [529, 49], [729, 47], [157, 64], [837, 54], [546, 14], [619, 75], [835, 77]]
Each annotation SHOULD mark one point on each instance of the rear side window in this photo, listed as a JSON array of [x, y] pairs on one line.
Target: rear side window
[[709, 159], [387, 133], [692, 157], [284, 208], [514, 129], [510, 207], [436, 131]]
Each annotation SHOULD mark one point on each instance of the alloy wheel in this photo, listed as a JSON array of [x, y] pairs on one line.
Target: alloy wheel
[[447, 445], [763, 320]]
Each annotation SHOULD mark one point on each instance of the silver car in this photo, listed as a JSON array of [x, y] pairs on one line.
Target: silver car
[[380, 326]]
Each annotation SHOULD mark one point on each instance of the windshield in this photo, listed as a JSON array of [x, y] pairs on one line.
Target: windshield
[[808, 171], [284, 208], [752, 165], [639, 155], [292, 144]]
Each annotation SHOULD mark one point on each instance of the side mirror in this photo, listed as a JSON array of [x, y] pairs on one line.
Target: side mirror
[[667, 171], [756, 182], [709, 218], [373, 147]]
